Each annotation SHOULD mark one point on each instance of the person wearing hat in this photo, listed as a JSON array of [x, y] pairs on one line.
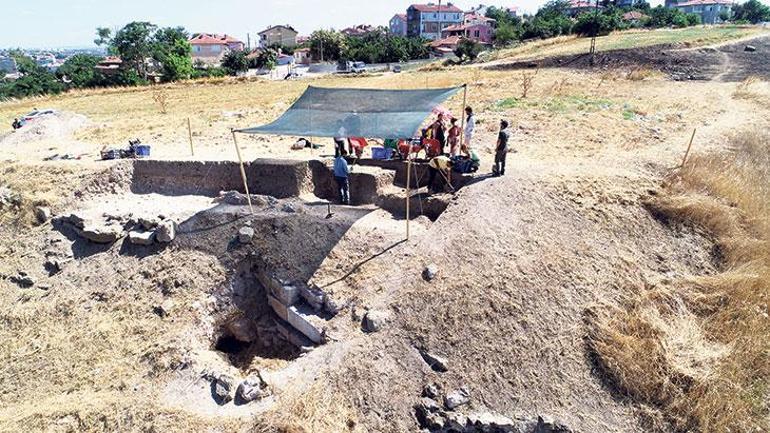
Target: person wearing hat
[[501, 150]]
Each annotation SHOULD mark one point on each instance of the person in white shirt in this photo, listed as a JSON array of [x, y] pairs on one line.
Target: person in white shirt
[[470, 125]]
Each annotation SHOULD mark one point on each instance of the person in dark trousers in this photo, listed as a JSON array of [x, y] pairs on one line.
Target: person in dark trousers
[[440, 165], [16, 124], [439, 132], [341, 175], [501, 151]]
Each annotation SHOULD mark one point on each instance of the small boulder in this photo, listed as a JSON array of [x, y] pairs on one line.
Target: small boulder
[[430, 272], [141, 238], [164, 309], [242, 329], [289, 208], [374, 321], [166, 231], [546, 424], [431, 390], [313, 295], [222, 389], [487, 421], [750, 48], [457, 398], [435, 362], [252, 389], [42, 214], [148, 223], [245, 235], [102, 234]]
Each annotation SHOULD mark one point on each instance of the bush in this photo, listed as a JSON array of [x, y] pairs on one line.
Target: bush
[[209, 73], [603, 23], [235, 62], [80, 71], [468, 50]]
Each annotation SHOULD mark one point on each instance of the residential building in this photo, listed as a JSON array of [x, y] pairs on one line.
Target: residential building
[[429, 20], [109, 65], [708, 10], [578, 7], [359, 30], [303, 56], [282, 35], [445, 46], [209, 48], [397, 25], [479, 31]]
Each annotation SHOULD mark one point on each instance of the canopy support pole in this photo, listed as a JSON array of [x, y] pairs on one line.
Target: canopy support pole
[[689, 146], [189, 134], [462, 119], [408, 187], [243, 172]]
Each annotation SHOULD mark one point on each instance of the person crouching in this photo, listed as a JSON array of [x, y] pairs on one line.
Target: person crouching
[[440, 165], [341, 175]]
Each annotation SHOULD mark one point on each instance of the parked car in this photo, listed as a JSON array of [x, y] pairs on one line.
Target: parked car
[[38, 114], [347, 67], [396, 69]]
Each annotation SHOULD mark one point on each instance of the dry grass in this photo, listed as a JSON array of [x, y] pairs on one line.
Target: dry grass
[[701, 350]]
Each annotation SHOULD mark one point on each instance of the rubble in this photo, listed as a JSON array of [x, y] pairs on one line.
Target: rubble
[[374, 321], [102, 234], [222, 389], [137, 237], [242, 329], [252, 389], [457, 398], [435, 362], [430, 272], [245, 235], [166, 231]]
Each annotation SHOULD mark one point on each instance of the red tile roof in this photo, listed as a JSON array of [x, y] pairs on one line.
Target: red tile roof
[[633, 15], [213, 39], [575, 4], [452, 40], [435, 8]]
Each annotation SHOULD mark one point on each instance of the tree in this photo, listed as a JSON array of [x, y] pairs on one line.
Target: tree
[[327, 45], [602, 23], [134, 44], [235, 62], [506, 34], [79, 70], [172, 50], [752, 11], [35, 80], [468, 49], [266, 59], [103, 36]]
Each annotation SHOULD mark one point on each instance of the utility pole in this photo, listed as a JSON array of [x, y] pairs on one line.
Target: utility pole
[[439, 20], [595, 31], [248, 40]]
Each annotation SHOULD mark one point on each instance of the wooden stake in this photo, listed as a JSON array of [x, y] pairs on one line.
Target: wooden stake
[[689, 146], [462, 117], [189, 133], [243, 172], [408, 187]]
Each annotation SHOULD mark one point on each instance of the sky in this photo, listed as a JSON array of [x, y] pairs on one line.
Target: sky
[[72, 23]]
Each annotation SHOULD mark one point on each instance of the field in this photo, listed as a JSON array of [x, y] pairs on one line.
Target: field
[[599, 283]]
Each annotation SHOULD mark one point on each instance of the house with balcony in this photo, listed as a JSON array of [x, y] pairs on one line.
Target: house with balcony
[[710, 11], [430, 20], [283, 35], [481, 32], [397, 25], [209, 48]]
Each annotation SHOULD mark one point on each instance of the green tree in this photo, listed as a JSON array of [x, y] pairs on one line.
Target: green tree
[[172, 50], [134, 43], [752, 11], [266, 59], [235, 62], [506, 34], [468, 50], [35, 80], [79, 70], [327, 45], [103, 36]]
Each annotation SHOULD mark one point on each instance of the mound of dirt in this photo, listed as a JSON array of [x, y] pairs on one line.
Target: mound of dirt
[[59, 125]]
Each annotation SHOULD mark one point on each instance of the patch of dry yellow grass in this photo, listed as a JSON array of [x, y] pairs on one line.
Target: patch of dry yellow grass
[[701, 351]]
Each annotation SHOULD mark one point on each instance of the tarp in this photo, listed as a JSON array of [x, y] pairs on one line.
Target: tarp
[[371, 113]]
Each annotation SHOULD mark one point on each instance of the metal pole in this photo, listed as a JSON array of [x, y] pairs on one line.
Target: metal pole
[[439, 21], [408, 186], [462, 119], [594, 33], [189, 134], [689, 146], [243, 171]]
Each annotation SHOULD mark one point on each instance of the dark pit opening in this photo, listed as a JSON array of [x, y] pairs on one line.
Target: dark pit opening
[[230, 345]]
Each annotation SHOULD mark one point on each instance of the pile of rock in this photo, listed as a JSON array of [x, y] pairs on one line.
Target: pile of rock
[[224, 390], [111, 228], [444, 418]]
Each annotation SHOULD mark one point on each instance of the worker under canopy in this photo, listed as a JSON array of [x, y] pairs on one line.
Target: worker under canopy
[[372, 113]]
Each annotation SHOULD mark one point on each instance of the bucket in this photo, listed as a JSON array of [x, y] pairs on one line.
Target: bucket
[[382, 153], [142, 151]]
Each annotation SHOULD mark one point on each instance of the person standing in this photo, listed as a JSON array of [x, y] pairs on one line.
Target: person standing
[[439, 132], [501, 150], [341, 175], [470, 125], [454, 138]]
